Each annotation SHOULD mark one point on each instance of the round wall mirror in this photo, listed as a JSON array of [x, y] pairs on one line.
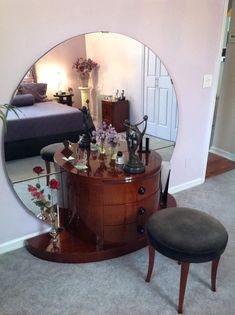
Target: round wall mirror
[[126, 71]]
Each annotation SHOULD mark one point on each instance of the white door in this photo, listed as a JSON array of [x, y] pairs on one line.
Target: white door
[[159, 99]]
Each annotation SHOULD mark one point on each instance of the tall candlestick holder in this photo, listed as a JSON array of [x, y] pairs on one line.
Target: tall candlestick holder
[[146, 150]]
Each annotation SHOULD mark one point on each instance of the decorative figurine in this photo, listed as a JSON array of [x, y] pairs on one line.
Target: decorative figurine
[[88, 127], [134, 137], [122, 97], [117, 95]]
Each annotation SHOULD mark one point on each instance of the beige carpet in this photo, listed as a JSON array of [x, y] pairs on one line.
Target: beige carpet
[[30, 286]]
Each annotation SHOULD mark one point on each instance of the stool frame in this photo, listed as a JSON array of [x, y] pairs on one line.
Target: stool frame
[[183, 277]]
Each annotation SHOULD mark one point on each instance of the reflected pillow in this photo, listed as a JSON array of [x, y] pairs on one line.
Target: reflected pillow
[[21, 100], [38, 90]]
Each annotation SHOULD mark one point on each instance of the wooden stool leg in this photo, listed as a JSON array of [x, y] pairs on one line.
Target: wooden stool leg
[[183, 282], [214, 268], [48, 169], [151, 262]]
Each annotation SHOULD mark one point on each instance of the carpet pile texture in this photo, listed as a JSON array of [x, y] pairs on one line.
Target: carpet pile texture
[[30, 286]]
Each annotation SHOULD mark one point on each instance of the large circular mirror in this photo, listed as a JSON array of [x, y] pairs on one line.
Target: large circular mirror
[[126, 68]]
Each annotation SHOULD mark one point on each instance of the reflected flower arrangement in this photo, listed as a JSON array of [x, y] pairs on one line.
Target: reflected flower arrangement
[[84, 65], [45, 201]]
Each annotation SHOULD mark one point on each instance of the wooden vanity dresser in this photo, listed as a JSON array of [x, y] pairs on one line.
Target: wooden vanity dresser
[[106, 210]]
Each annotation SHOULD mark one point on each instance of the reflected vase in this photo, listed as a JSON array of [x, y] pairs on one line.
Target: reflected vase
[[53, 218], [41, 215], [54, 233], [84, 79]]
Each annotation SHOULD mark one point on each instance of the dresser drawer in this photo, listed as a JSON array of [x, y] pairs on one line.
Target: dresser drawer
[[131, 192], [132, 212], [119, 234]]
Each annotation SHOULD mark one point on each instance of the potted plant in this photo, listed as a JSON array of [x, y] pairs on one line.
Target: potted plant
[[4, 109]]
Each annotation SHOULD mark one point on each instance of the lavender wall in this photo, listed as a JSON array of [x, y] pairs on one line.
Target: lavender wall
[[186, 35], [60, 59]]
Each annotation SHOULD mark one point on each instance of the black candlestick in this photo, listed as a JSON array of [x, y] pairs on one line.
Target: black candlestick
[[147, 145]]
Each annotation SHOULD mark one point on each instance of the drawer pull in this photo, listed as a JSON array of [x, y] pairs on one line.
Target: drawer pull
[[141, 211], [140, 229], [141, 190]]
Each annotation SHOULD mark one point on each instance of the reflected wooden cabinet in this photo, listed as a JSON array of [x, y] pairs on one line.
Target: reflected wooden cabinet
[[115, 113]]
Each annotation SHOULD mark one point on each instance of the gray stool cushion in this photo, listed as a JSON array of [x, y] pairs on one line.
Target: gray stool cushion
[[47, 153], [186, 235]]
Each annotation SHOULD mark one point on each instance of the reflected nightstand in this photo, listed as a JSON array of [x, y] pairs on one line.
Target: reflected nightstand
[[64, 98]]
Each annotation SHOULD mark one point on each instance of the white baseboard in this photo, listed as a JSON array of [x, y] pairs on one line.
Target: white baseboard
[[223, 153], [19, 242], [187, 185]]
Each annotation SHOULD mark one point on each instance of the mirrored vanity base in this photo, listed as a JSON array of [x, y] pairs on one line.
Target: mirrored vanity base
[[79, 248], [72, 249]]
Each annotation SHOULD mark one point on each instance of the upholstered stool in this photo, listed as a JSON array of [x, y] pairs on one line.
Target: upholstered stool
[[188, 236], [47, 154]]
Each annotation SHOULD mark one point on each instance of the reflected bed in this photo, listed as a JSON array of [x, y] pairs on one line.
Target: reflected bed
[[38, 125]]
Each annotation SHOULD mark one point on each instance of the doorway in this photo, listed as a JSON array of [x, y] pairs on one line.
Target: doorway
[[160, 102], [220, 160]]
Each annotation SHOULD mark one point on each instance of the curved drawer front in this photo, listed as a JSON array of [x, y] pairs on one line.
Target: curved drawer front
[[130, 212], [131, 192], [119, 234]]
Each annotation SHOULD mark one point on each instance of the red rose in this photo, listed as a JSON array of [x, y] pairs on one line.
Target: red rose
[[31, 188], [54, 184], [39, 195], [38, 170]]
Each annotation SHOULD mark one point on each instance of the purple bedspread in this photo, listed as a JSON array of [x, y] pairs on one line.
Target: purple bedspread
[[42, 119]]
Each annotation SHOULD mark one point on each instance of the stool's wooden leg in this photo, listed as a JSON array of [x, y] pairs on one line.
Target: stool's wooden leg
[[48, 169], [183, 282], [214, 268], [151, 262]]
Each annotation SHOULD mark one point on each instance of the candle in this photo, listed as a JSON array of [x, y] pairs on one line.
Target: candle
[[58, 216], [147, 144]]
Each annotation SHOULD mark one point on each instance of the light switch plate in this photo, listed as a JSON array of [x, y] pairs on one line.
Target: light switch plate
[[207, 80]]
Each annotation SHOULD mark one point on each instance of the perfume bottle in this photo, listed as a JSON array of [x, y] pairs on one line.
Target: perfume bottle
[[93, 145], [120, 158]]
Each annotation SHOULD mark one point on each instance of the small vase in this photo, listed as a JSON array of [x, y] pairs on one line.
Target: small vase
[[113, 151], [102, 148], [84, 78]]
